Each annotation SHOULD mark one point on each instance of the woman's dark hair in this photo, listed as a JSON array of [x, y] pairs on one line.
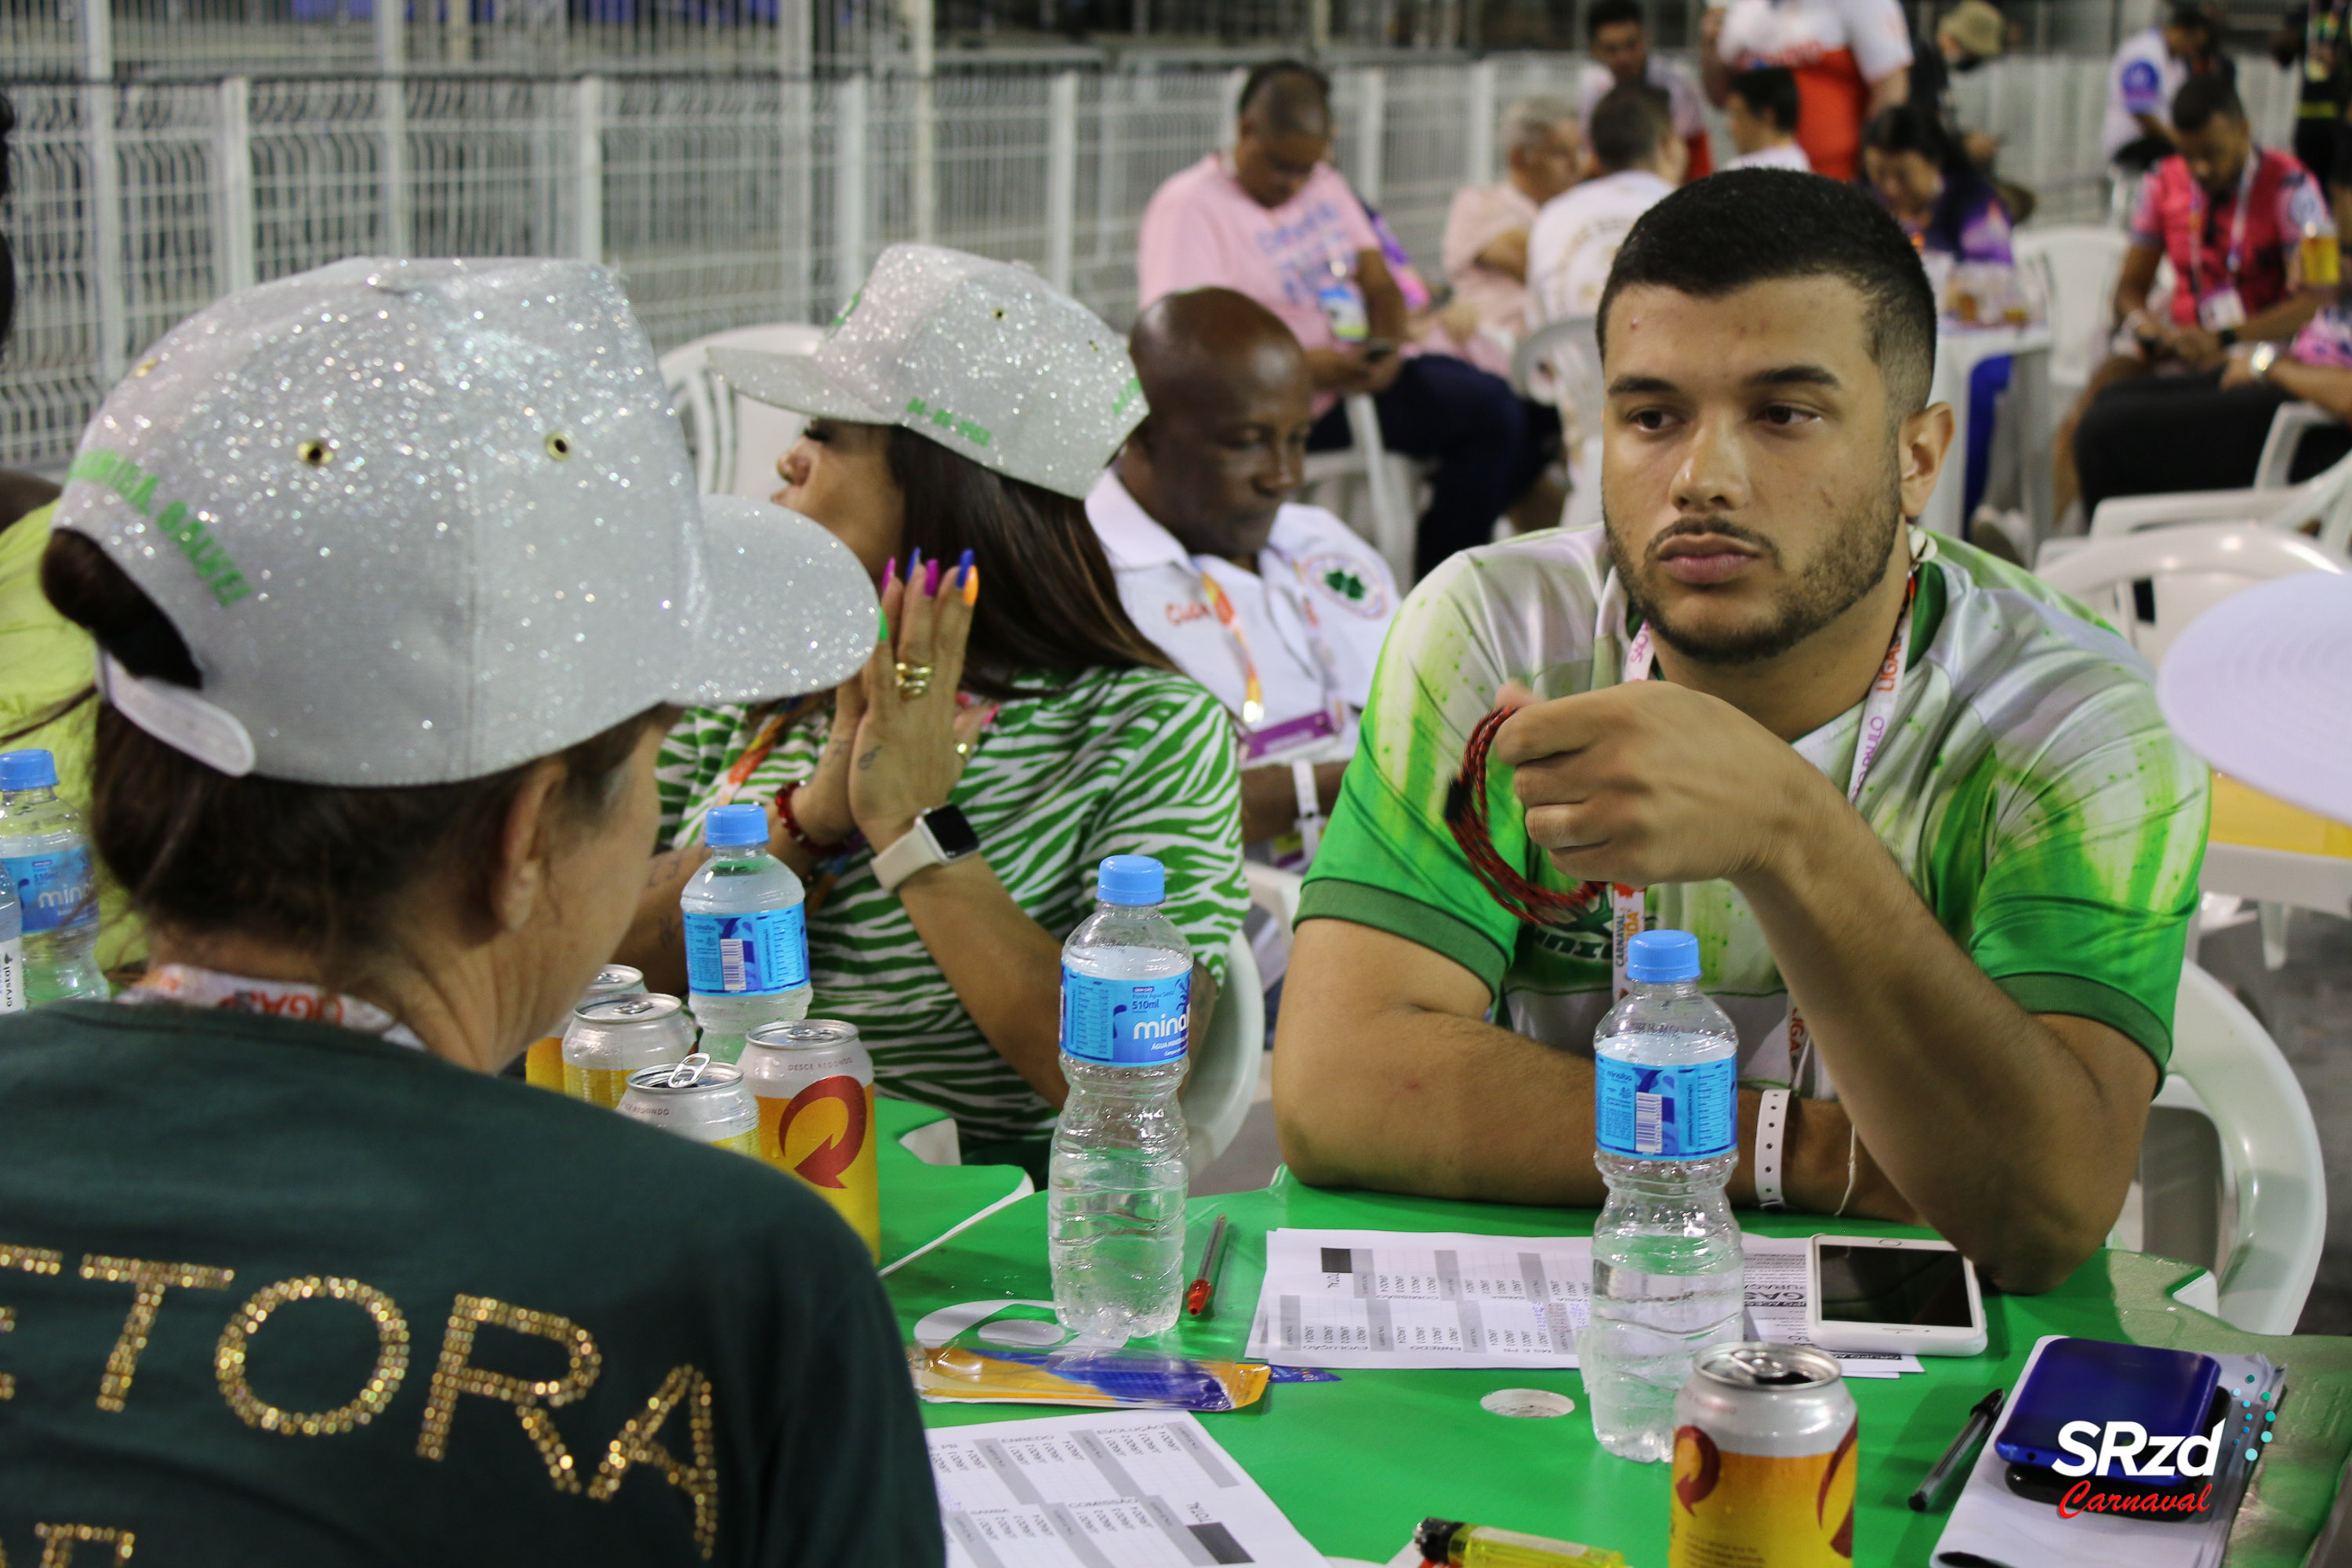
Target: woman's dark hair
[[318, 866], [1048, 603], [1770, 93], [1744, 227], [1909, 128]]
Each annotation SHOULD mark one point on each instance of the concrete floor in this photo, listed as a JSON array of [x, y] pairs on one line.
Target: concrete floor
[[2307, 1006]]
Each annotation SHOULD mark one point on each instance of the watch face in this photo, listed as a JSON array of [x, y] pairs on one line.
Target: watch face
[[951, 832]]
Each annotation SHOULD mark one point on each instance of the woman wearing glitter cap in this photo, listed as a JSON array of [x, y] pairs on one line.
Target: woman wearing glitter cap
[[398, 578], [959, 412]]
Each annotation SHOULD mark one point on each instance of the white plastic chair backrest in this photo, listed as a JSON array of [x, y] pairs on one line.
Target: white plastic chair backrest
[[2189, 569], [2077, 265], [736, 440], [2274, 1209], [1222, 1082], [1559, 363], [1274, 890]]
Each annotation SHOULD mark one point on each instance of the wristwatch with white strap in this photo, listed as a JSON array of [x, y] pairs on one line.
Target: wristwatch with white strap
[[940, 836]]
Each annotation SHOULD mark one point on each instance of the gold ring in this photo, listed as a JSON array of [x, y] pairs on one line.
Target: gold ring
[[914, 679]]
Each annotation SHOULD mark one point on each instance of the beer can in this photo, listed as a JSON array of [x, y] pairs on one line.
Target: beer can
[[544, 1064], [1765, 1455], [697, 1098], [815, 1085], [614, 1037]]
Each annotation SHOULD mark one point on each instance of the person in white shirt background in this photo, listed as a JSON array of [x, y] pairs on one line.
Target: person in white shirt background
[[1618, 36], [1639, 161], [1762, 113], [2149, 67], [1851, 59], [1277, 609]]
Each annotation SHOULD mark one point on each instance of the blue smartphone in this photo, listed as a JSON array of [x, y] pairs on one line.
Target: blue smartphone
[[2167, 1392]]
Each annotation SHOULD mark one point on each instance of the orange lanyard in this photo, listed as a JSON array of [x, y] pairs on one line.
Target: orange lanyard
[[1253, 690], [753, 755]]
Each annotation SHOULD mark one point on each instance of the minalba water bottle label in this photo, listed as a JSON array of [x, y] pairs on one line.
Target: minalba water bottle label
[[749, 955], [1126, 1023], [52, 887], [1667, 1112]]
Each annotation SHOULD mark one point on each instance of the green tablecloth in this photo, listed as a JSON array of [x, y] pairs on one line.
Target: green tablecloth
[[921, 1203], [1358, 1462]]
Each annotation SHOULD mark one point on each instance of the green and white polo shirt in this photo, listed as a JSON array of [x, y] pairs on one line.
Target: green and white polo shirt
[[1120, 762], [2029, 790]]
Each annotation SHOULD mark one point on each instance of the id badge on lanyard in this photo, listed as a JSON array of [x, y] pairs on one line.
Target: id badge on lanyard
[[2222, 309], [1785, 1056]]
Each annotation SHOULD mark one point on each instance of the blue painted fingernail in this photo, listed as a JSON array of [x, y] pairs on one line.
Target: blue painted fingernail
[[914, 565], [963, 568]]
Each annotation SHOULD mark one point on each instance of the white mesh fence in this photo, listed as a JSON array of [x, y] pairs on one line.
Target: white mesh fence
[[730, 200]]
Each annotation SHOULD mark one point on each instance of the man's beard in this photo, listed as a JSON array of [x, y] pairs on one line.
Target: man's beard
[[1861, 545]]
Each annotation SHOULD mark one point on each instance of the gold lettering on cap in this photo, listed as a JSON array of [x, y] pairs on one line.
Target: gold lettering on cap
[[636, 1445], [59, 1540], [382, 1381], [458, 1376], [149, 1280]]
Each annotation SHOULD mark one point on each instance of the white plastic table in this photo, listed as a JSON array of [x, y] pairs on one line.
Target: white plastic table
[[1958, 351]]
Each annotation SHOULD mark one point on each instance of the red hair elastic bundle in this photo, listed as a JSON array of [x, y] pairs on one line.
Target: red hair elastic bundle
[[1465, 818]]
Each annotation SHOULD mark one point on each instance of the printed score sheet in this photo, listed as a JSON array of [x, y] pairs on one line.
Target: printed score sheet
[[1110, 1489], [1447, 1298]]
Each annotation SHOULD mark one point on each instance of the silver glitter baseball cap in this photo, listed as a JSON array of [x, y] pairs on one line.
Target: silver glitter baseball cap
[[985, 358], [421, 521]]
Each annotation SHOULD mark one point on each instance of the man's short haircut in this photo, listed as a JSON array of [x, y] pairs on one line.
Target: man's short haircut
[[1290, 97], [1630, 124], [1528, 122], [1744, 227], [1770, 93], [1611, 13], [2192, 19], [2201, 98]]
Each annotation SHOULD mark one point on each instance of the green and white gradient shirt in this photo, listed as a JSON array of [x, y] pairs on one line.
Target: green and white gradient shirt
[[2029, 789], [1121, 762]]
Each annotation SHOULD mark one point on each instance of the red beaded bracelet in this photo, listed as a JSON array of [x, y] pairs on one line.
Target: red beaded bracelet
[[793, 828]]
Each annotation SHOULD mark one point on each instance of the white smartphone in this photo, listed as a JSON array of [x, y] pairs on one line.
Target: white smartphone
[[1891, 1294]]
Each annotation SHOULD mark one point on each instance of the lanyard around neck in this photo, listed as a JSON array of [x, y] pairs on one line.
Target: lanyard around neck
[[1628, 904], [192, 985], [1252, 689], [2237, 252]]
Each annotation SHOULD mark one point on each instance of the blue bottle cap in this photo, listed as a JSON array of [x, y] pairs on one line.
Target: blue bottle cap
[[28, 769], [1131, 879], [731, 826], [1662, 955]]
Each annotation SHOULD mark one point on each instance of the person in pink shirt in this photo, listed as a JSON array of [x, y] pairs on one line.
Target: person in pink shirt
[[1269, 217]]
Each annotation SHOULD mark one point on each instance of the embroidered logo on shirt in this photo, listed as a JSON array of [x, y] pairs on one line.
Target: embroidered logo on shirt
[[1343, 578]]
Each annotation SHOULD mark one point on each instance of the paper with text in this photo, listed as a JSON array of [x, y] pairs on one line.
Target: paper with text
[[1115, 1489], [1448, 1299]]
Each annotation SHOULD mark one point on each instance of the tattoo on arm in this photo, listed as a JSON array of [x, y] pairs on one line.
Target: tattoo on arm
[[866, 761]]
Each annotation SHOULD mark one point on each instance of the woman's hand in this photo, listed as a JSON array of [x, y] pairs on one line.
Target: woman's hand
[[912, 739], [821, 802]]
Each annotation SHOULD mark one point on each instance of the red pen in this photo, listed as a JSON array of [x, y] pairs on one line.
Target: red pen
[[1198, 1294]]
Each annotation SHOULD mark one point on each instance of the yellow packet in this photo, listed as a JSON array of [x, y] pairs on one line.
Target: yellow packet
[[1095, 1379]]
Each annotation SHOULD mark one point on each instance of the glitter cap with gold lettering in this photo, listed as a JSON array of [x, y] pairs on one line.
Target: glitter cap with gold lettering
[[985, 358], [421, 521]]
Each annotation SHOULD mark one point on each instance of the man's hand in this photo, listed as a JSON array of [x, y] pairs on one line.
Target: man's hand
[[1381, 373], [2197, 348], [1343, 371], [1650, 781], [2238, 371]]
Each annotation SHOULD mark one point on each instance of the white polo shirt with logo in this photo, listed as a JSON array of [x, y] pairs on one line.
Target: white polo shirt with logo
[[1311, 619]]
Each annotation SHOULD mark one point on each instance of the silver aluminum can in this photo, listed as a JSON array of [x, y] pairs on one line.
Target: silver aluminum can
[[612, 1037], [1766, 1449], [780, 1060], [702, 1100], [614, 980]]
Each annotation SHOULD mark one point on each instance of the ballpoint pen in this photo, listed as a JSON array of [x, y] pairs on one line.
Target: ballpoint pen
[[1198, 1295], [1979, 1422]]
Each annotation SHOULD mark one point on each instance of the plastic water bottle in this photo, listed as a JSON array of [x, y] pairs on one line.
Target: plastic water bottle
[[48, 859], [746, 934], [1668, 1277], [1114, 1221], [12, 949]]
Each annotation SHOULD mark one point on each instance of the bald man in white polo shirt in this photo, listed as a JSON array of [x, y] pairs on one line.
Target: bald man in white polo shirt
[[1278, 609]]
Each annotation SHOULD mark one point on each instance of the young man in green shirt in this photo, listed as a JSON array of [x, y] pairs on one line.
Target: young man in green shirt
[[1911, 791]]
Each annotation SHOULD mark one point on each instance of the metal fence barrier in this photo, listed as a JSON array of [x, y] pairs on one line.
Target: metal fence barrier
[[728, 200]]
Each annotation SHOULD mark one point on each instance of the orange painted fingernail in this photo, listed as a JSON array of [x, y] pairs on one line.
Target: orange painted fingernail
[[971, 586]]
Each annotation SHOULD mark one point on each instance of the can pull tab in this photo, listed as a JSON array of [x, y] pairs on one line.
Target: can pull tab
[[688, 1073]]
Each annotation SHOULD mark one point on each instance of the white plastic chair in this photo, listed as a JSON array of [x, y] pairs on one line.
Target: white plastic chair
[[1224, 1078], [2230, 1172], [1388, 482], [2188, 570], [2077, 266], [1559, 363], [2271, 502], [736, 441]]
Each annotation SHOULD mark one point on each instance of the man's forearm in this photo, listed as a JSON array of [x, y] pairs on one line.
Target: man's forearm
[[2285, 318], [1892, 89], [2329, 386], [1932, 1059]]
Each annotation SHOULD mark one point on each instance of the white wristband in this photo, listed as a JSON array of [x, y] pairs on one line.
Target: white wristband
[[1771, 1143]]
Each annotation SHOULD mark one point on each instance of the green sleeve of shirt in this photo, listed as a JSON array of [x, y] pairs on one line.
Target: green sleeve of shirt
[[1388, 859], [1179, 800], [2091, 856], [693, 754]]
